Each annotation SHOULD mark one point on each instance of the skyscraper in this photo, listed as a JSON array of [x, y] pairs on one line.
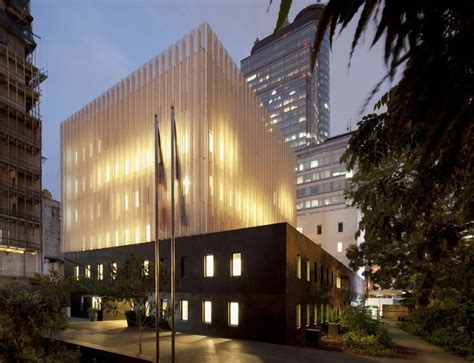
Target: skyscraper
[[20, 133], [279, 71]]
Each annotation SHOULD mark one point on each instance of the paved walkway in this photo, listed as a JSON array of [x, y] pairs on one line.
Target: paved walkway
[[427, 352], [115, 337]]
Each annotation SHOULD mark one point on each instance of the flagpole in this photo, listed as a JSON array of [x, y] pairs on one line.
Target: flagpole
[[157, 247], [173, 243]]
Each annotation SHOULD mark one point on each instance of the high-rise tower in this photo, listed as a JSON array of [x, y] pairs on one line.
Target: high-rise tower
[[20, 147], [279, 71]]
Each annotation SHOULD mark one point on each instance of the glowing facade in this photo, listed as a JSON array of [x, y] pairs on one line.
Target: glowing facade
[[236, 172]]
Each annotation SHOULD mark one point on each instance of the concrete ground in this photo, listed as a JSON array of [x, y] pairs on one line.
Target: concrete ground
[[114, 336], [427, 352]]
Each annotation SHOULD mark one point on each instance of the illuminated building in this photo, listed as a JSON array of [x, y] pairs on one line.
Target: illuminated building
[[279, 71], [236, 172], [20, 146], [323, 214]]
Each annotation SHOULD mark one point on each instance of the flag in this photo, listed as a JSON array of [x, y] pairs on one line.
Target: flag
[[182, 204], [161, 177]]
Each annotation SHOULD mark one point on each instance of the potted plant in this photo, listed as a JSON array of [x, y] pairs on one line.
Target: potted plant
[[93, 314]]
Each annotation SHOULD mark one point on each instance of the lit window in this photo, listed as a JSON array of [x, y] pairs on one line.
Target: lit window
[[298, 316], [100, 272], [211, 185], [148, 233], [184, 310], [76, 272], [137, 234], [137, 199], [308, 314], [211, 142], [339, 246], [298, 266], [236, 265], [252, 77], [308, 271], [186, 185], [299, 180], [299, 229], [185, 145], [234, 314], [126, 167], [274, 92], [126, 201], [221, 150], [209, 266], [136, 164], [88, 271], [207, 312], [146, 267], [338, 282]]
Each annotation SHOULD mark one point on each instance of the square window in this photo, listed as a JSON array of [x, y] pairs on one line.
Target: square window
[[207, 312], [340, 227], [183, 266], [209, 266], [236, 264], [234, 314], [184, 310], [320, 229]]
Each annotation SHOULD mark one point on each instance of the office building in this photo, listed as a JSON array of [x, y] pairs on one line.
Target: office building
[[323, 213], [279, 71], [235, 172], [266, 283], [20, 147]]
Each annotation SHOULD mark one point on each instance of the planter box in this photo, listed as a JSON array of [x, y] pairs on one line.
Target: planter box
[[333, 330]]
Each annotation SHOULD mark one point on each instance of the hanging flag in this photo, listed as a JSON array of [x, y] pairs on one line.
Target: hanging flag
[[182, 204], [161, 178]]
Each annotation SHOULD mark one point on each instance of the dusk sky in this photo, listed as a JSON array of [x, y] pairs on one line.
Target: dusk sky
[[89, 45]]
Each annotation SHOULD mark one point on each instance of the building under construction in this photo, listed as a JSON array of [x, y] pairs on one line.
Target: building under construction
[[20, 147]]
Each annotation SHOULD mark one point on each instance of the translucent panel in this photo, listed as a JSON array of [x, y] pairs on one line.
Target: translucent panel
[[236, 172]]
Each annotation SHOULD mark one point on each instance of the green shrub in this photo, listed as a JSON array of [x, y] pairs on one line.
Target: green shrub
[[357, 318]]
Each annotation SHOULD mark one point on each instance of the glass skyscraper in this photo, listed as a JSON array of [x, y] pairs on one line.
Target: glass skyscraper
[[279, 71]]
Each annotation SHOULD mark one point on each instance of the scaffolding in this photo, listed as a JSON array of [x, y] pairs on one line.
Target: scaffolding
[[20, 130]]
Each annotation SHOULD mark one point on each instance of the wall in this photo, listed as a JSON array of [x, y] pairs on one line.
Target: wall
[[51, 234], [20, 265], [328, 220]]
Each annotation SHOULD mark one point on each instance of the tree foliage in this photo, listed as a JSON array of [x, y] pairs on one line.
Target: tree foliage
[[30, 316], [131, 284], [415, 156]]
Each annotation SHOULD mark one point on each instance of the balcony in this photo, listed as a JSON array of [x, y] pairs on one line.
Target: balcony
[[27, 193], [18, 245], [14, 214]]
